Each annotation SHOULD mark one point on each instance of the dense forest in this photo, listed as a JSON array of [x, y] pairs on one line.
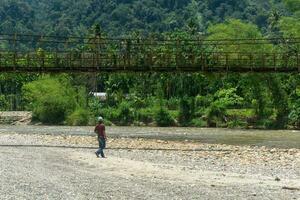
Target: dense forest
[[119, 17], [222, 100]]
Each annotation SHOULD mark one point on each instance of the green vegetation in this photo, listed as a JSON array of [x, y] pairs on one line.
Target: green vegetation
[[66, 17], [201, 100], [50, 99]]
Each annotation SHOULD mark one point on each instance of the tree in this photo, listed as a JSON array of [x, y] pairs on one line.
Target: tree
[[50, 99], [237, 44], [280, 102], [235, 29], [293, 5]]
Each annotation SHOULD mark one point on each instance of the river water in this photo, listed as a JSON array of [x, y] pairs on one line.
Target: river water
[[268, 138]]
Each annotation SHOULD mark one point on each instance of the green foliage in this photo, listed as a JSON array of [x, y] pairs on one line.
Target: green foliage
[[260, 105], [223, 99], [4, 103], [198, 123], [203, 101], [125, 113], [95, 106], [190, 98], [216, 111], [237, 124], [163, 117], [64, 17], [50, 99], [290, 27], [234, 29], [122, 115], [294, 116], [280, 102], [237, 29], [293, 5], [186, 110], [265, 124], [111, 114], [80, 117], [173, 103], [228, 97], [241, 113], [145, 115]]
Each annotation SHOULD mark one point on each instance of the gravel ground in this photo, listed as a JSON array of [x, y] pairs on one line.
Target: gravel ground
[[65, 167]]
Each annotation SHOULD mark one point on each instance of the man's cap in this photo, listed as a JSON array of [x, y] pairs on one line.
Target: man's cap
[[100, 119]]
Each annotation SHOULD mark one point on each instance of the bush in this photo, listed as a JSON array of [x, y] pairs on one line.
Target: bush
[[163, 117], [4, 103], [174, 114], [138, 102], [80, 117], [125, 114], [294, 116], [215, 110], [237, 124], [51, 111], [50, 99], [173, 104], [228, 97], [198, 123], [203, 101], [145, 115], [186, 111], [265, 123], [241, 113], [111, 114]]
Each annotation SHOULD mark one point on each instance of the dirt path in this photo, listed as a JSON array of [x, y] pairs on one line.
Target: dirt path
[[50, 167]]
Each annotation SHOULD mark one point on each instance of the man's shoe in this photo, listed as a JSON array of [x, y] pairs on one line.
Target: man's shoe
[[97, 154]]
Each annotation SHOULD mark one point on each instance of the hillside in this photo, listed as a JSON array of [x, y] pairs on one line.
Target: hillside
[[117, 17]]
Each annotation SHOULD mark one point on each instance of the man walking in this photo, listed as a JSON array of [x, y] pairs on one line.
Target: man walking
[[100, 131]]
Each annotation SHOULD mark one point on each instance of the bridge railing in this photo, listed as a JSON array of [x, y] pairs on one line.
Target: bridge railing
[[202, 61], [91, 54]]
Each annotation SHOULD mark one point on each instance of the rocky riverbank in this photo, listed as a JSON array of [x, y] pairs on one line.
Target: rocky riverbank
[[65, 167]]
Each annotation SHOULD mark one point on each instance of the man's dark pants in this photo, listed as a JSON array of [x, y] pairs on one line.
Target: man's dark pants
[[102, 144]]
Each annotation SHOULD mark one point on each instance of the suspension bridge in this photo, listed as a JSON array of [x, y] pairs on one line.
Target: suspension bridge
[[50, 54]]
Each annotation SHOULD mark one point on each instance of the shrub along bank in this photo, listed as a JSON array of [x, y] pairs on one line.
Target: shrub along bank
[[57, 100]]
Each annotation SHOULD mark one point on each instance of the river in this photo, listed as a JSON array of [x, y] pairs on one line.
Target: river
[[268, 138]]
